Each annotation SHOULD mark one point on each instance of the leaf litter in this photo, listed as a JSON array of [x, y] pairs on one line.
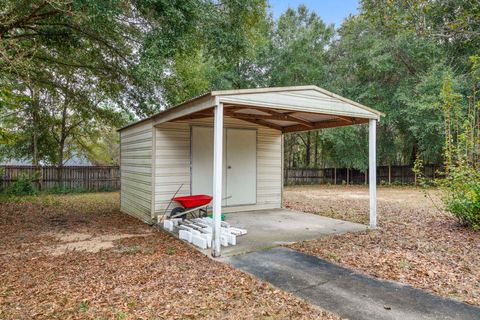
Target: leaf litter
[[415, 243], [144, 274]]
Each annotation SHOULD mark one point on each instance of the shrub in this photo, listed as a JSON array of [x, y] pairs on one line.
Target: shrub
[[462, 189], [461, 153], [22, 186]]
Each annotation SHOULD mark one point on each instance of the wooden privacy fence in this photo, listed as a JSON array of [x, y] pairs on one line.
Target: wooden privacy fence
[[385, 175], [88, 178]]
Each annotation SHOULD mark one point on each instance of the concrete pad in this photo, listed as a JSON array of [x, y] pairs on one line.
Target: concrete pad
[[271, 228], [345, 292]]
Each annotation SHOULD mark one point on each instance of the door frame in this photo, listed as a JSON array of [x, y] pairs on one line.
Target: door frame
[[226, 159]]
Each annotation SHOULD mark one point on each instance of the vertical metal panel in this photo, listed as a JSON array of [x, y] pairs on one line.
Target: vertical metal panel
[[136, 170]]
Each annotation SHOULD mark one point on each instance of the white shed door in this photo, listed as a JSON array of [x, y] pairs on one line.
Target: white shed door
[[239, 164], [202, 161]]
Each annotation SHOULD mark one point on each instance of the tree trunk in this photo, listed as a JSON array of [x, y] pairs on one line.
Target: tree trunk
[[316, 150], [308, 145], [63, 137], [35, 119], [413, 156], [61, 145]]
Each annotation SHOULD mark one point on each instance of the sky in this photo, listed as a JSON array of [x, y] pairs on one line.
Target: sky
[[331, 11]]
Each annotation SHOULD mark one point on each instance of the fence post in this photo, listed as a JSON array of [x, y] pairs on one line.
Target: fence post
[[389, 174], [40, 178]]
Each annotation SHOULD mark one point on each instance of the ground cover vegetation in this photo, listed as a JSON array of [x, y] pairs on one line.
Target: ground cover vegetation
[[79, 257], [416, 242]]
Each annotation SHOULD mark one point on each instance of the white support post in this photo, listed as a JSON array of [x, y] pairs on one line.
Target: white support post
[[372, 171], [217, 178]]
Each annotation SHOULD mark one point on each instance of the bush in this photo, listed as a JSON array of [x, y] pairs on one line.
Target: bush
[[462, 187], [21, 187]]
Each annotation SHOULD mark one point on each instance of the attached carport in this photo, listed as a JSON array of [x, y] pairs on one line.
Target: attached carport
[[285, 109]]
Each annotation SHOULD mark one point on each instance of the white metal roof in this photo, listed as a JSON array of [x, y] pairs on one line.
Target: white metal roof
[[284, 108]]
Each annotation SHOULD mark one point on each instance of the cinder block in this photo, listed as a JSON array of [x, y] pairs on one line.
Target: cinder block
[[176, 221], [224, 240], [207, 229], [238, 231], [168, 225], [232, 239], [199, 241], [185, 235], [208, 236]]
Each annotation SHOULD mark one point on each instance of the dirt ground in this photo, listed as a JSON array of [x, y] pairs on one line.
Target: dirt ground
[[78, 257], [416, 242]]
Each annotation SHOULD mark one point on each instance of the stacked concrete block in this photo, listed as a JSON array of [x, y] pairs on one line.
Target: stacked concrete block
[[199, 231]]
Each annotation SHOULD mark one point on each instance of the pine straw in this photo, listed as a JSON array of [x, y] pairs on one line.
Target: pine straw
[[151, 276], [415, 243]]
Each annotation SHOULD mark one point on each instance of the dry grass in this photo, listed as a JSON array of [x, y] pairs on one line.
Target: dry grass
[[416, 243], [78, 257]]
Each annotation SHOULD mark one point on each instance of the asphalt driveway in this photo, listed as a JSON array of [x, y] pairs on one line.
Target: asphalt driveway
[[346, 292]]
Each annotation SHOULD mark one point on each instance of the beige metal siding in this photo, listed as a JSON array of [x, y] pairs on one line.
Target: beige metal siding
[[173, 163], [136, 170]]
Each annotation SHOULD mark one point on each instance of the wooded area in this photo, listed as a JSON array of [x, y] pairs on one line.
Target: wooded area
[[73, 71], [70, 178]]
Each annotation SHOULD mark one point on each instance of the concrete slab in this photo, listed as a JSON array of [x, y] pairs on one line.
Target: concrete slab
[[271, 228], [346, 292]]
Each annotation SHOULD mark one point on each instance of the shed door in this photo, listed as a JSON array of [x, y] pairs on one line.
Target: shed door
[[202, 161], [239, 164]]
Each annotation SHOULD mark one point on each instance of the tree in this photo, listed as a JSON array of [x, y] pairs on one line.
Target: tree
[[298, 56], [74, 64]]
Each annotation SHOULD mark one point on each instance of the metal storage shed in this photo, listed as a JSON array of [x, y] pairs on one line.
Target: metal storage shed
[[228, 143]]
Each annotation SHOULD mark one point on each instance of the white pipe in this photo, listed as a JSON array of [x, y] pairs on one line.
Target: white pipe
[[372, 171], [217, 178]]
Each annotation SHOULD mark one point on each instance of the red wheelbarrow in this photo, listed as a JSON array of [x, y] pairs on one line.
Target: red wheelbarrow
[[190, 204]]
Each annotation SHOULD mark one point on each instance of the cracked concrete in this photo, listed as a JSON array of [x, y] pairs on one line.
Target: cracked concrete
[[345, 292]]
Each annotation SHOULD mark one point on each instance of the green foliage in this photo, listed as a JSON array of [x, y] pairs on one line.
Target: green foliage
[[23, 186], [461, 153], [462, 199], [121, 315], [70, 71], [74, 70], [298, 49], [83, 306]]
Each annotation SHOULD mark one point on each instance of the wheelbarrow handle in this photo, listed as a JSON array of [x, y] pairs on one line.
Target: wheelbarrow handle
[[171, 199]]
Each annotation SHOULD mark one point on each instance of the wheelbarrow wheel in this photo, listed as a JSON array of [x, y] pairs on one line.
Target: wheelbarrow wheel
[[178, 210]]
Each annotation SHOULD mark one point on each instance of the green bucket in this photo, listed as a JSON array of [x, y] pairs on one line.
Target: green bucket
[[211, 216]]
